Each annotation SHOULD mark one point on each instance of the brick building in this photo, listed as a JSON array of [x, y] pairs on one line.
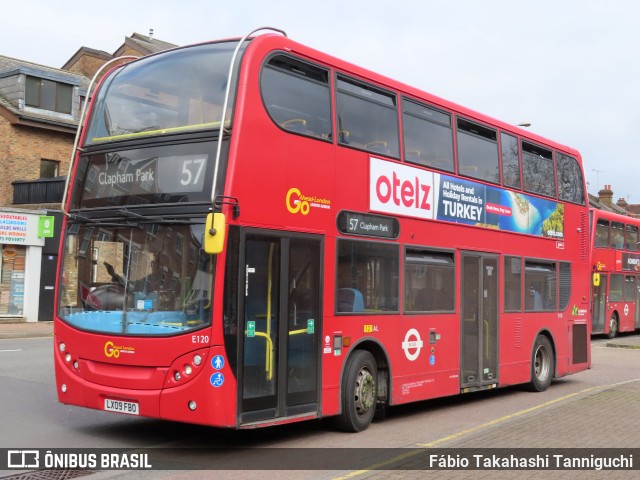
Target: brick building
[[39, 111]]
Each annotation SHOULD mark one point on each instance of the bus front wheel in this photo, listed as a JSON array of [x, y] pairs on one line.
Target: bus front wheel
[[542, 364], [359, 392], [613, 326]]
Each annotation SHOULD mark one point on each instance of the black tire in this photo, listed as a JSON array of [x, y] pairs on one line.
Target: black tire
[[614, 325], [542, 364], [359, 392]]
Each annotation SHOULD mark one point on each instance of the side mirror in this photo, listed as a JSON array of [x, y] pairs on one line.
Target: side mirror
[[214, 233]]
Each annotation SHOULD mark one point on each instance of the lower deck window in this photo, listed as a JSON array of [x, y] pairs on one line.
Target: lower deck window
[[540, 286], [429, 281], [367, 277]]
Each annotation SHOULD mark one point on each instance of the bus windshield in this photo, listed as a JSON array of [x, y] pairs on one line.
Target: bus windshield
[[179, 90], [152, 279]]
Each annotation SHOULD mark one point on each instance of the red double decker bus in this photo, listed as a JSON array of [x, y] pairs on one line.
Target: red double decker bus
[[258, 233], [615, 262]]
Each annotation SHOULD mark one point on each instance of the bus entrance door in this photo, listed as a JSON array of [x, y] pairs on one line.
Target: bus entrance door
[[479, 322], [599, 304], [282, 322]]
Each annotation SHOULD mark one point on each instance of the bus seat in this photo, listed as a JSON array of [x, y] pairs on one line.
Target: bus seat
[[295, 125], [349, 300], [468, 169], [413, 156], [379, 146], [343, 137]]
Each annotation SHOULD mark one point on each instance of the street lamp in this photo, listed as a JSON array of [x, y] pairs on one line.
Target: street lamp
[[524, 124]]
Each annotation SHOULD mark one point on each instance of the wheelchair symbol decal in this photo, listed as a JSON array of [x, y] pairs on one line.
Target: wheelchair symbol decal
[[217, 379]]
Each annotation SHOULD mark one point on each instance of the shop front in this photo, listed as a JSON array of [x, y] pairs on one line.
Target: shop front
[[22, 236]]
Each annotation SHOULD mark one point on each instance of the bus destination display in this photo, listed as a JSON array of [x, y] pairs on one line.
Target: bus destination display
[[355, 223], [158, 176]]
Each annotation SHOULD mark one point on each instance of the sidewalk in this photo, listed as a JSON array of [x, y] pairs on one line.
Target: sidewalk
[[17, 329]]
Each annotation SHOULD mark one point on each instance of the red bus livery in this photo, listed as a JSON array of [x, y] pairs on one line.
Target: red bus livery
[[615, 263], [258, 233]]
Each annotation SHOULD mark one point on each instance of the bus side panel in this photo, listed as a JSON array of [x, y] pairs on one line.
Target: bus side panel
[[425, 357]]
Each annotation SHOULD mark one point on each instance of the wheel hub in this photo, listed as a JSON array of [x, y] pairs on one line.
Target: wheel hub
[[365, 391]]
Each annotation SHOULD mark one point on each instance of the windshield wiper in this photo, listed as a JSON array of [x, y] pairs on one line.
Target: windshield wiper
[[155, 218], [80, 218]]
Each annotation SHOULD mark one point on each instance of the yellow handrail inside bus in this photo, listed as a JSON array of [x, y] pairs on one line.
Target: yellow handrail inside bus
[[269, 351], [161, 131], [269, 359]]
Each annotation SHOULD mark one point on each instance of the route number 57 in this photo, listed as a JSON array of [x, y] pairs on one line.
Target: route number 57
[[192, 171]]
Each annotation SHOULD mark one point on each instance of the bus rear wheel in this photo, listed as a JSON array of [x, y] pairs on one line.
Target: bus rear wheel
[[359, 392], [542, 364], [613, 326]]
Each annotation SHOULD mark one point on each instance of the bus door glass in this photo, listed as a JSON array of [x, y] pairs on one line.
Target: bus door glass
[[598, 305], [479, 343], [637, 318], [282, 321]]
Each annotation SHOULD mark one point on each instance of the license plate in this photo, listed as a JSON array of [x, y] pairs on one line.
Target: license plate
[[120, 406]]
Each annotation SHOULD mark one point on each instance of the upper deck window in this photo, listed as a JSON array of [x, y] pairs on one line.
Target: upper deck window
[[297, 96], [602, 233], [510, 161], [367, 117], [478, 151], [570, 184], [428, 137], [171, 92], [631, 238], [537, 170], [617, 235]]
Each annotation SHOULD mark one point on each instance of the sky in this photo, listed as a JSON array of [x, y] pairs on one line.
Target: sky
[[570, 68]]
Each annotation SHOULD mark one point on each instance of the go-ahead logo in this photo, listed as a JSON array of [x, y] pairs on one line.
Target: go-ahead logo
[[111, 350], [297, 202]]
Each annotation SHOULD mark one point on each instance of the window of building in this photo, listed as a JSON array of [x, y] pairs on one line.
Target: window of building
[[537, 170], [297, 96], [478, 151], [428, 136], [510, 161], [48, 95], [367, 117], [367, 277], [429, 281], [49, 168], [512, 284], [12, 280], [540, 286], [570, 184]]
